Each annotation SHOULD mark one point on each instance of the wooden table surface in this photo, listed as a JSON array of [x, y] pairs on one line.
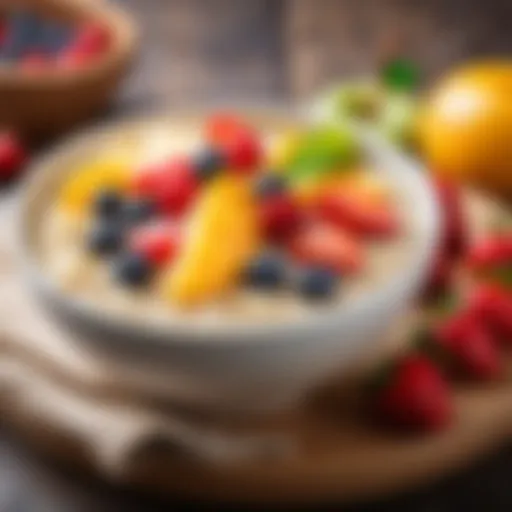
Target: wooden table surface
[[227, 50]]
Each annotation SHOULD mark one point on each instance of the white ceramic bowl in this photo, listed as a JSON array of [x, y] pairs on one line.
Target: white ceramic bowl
[[241, 367]]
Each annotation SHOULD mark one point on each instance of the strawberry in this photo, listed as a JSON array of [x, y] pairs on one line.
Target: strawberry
[[279, 217], [492, 252], [171, 184], [416, 396], [328, 247], [454, 224], [359, 216], [12, 155], [493, 307], [220, 129], [158, 243], [470, 346], [243, 152]]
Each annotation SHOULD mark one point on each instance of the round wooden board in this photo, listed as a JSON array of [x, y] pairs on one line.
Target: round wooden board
[[340, 456]]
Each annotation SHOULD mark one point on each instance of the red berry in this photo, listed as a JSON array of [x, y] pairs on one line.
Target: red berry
[[92, 38], [360, 217], [34, 62], [158, 243], [171, 184], [454, 223], [470, 346], [491, 252], [12, 155], [328, 247], [280, 217], [221, 129], [243, 152], [416, 396], [493, 307]]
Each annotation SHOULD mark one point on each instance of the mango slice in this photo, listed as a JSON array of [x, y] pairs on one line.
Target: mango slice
[[222, 237], [112, 172]]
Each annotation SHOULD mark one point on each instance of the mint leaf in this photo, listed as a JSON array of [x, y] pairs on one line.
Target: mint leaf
[[400, 75], [322, 150]]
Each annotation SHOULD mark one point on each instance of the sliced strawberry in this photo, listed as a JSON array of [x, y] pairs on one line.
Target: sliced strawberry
[[171, 184], [470, 346], [329, 247], [158, 243], [279, 217], [357, 215], [416, 396], [493, 307]]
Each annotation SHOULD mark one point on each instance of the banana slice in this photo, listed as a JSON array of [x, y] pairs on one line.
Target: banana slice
[[222, 236]]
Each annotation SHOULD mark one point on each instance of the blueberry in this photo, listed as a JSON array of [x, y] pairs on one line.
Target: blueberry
[[317, 283], [107, 204], [132, 270], [269, 184], [138, 211], [207, 163], [105, 238], [267, 271]]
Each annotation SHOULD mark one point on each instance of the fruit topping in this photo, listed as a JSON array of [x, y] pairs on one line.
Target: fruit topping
[[266, 271], [132, 270], [208, 163], [107, 204], [158, 243], [270, 184], [317, 283], [137, 211], [243, 153], [105, 238], [327, 247], [222, 237], [112, 173], [279, 217], [221, 129], [171, 184], [359, 214]]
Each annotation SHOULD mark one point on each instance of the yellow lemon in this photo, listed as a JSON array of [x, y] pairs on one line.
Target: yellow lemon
[[222, 237], [465, 127]]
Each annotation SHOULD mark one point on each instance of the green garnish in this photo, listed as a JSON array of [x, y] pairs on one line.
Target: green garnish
[[323, 150], [400, 75]]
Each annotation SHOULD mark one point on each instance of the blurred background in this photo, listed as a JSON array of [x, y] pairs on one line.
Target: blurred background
[[274, 51], [194, 50]]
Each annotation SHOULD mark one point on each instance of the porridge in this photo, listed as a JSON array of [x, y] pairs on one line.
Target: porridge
[[223, 220]]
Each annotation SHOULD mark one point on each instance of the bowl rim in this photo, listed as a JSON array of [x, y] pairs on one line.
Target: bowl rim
[[184, 330]]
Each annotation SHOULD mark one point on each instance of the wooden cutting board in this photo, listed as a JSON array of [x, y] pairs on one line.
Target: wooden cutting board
[[91, 413]]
